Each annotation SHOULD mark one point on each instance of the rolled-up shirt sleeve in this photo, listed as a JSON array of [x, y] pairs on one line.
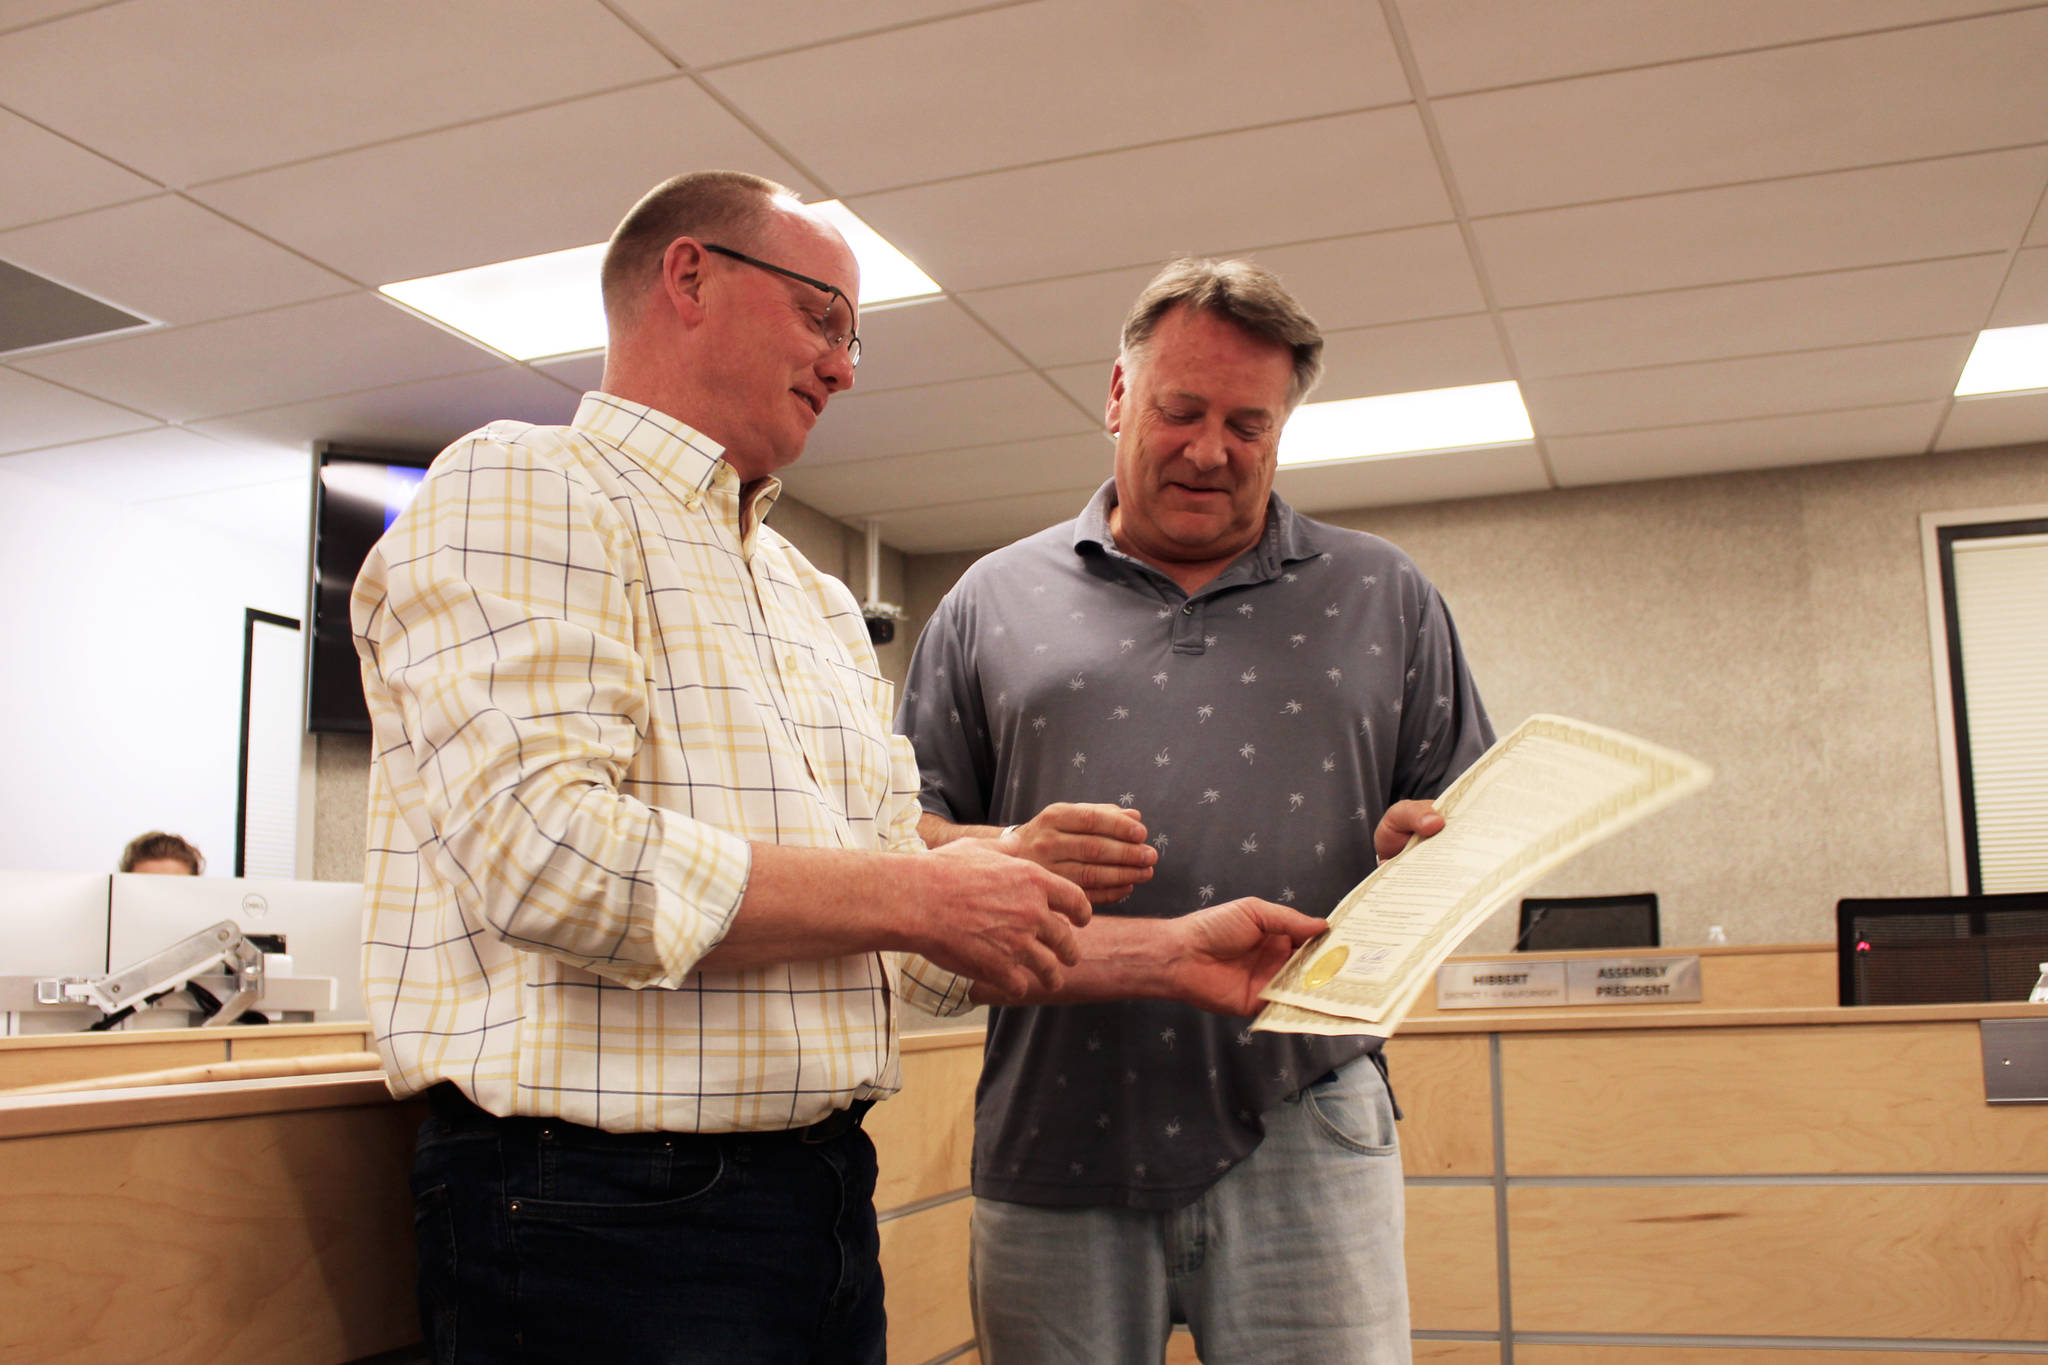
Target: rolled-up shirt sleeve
[[508, 692]]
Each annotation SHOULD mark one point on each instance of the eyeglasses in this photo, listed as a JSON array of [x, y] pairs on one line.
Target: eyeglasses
[[836, 326]]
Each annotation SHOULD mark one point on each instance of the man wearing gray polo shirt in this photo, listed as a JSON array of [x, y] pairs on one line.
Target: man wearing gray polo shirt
[[1187, 694]]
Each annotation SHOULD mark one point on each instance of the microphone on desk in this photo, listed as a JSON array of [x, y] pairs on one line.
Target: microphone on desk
[[1536, 917]]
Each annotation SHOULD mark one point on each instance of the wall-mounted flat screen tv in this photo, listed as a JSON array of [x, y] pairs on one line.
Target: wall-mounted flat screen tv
[[357, 494]]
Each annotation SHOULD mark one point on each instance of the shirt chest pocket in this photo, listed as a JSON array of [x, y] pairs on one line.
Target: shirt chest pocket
[[842, 721]]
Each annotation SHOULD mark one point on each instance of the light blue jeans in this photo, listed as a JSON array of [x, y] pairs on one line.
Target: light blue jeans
[[1293, 1258]]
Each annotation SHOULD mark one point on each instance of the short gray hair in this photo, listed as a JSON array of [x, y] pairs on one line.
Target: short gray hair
[[728, 207], [1247, 295]]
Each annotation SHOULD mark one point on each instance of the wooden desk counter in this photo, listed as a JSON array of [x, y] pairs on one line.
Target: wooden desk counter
[[244, 1220], [1792, 1185]]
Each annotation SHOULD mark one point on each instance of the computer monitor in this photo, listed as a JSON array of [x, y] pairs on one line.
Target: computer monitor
[[51, 924], [322, 923], [1931, 950], [1560, 923]]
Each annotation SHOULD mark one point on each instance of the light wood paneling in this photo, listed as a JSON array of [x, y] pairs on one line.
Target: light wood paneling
[[82, 1111], [51, 1058], [1796, 974], [1912, 1261], [1180, 1350], [1459, 1353], [250, 1044], [1453, 1271], [924, 1266], [53, 1066], [278, 1238], [924, 1136], [1864, 1098], [265, 1068], [1747, 1355], [1445, 1086]]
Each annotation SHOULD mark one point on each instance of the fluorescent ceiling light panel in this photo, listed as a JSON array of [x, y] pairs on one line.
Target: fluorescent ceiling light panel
[[1406, 424], [886, 274], [2005, 360], [550, 305]]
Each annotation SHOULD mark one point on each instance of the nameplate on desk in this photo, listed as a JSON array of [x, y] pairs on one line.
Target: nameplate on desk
[[1531, 982]]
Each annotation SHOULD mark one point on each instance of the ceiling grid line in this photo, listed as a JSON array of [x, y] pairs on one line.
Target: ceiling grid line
[[1398, 30], [1705, 237], [2011, 260], [1790, 44]]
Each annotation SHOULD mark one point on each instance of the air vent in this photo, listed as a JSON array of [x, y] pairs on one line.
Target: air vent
[[37, 312]]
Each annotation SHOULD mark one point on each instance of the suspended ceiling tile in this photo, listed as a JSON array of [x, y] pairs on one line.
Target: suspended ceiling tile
[[1475, 44], [472, 195], [1378, 278], [705, 32], [21, 13], [1951, 207], [1848, 308], [1064, 321], [1088, 386], [1992, 419], [2037, 235], [1763, 443], [2024, 300], [421, 417], [159, 463], [197, 266], [931, 341], [951, 416], [1925, 92], [256, 83], [1752, 386], [580, 372], [40, 413], [1436, 476], [1440, 353], [48, 177], [1147, 205], [985, 523], [1062, 78], [1345, 282], [863, 488], [263, 359]]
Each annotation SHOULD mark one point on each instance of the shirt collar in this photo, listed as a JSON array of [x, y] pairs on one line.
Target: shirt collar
[[1287, 538], [681, 457]]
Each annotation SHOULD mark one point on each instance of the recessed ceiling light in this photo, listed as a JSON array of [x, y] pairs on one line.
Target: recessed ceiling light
[[2006, 359], [886, 274], [549, 305], [1406, 424], [535, 306]]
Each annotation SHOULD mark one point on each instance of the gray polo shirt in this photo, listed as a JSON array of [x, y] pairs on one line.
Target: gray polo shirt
[[1261, 726]]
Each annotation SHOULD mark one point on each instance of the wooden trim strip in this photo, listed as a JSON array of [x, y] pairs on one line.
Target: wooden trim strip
[[148, 1106], [253, 1069], [1679, 1016]]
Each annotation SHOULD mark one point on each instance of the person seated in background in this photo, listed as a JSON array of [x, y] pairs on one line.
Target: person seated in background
[[162, 854]]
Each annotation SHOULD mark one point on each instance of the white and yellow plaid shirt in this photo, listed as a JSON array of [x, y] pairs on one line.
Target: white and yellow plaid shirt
[[589, 691]]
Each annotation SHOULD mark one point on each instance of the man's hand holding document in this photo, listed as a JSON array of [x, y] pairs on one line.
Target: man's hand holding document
[[1540, 796]]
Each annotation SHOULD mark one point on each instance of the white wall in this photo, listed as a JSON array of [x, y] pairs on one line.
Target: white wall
[[121, 681]]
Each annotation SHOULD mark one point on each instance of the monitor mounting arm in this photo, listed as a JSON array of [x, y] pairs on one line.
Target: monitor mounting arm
[[120, 994]]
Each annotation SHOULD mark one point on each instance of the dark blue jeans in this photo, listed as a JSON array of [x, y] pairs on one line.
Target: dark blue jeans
[[543, 1241]]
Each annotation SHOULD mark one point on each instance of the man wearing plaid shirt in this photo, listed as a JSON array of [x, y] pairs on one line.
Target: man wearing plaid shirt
[[644, 874]]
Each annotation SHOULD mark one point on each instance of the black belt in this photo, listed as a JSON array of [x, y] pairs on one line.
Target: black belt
[[447, 1102]]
